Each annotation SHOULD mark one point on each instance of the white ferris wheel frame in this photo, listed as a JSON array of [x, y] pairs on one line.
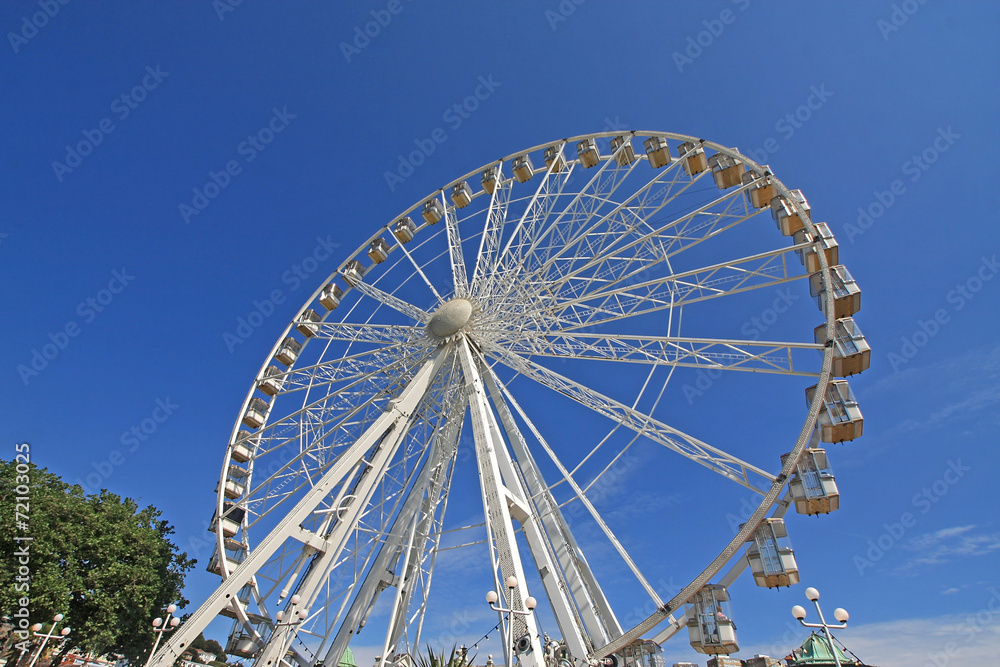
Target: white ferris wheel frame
[[492, 410]]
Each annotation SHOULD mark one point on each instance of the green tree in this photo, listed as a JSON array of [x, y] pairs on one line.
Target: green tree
[[106, 564], [209, 645]]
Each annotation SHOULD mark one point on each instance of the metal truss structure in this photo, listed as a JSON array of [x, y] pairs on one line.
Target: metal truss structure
[[567, 282]]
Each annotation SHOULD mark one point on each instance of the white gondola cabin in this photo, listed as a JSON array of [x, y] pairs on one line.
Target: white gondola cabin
[[232, 489], [289, 350], [786, 213], [233, 560], [232, 518], [308, 323], [256, 413], [330, 297], [846, 293], [235, 482], [657, 151], [763, 190], [812, 485], [353, 272], [432, 212], [461, 195], [852, 354], [242, 645], [378, 250], [243, 447], [523, 169], [641, 653], [696, 162], [489, 179], [272, 381], [254, 619], [770, 555], [823, 241], [236, 472], [621, 146], [726, 170], [840, 418], [404, 229], [554, 156], [586, 150], [710, 627]]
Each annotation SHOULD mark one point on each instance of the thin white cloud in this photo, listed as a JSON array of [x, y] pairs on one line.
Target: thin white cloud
[[954, 370], [928, 540], [958, 396], [980, 401], [948, 544], [949, 591]]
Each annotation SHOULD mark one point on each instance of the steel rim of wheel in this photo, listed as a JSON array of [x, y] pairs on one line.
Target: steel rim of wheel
[[527, 285]]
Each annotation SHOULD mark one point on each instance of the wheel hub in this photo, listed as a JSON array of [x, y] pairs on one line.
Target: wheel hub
[[450, 318]]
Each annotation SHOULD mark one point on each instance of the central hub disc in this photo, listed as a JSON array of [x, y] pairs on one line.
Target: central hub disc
[[450, 317]]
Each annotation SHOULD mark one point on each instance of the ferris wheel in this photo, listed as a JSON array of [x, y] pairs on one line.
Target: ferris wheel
[[532, 325]]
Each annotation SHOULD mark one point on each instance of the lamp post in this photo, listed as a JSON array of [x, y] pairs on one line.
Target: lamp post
[[51, 634], [530, 603], [839, 613], [297, 617], [161, 625]]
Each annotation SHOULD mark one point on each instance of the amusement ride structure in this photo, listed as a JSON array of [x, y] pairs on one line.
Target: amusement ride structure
[[538, 302]]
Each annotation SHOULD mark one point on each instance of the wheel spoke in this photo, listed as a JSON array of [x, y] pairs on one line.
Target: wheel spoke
[[600, 267], [385, 334], [715, 354], [459, 275], [763, 270], [688, 446], [597, 234], [489, 242], [386, 299], [345, 369]]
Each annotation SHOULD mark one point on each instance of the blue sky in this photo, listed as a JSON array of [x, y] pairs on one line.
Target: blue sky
[[883, 113]]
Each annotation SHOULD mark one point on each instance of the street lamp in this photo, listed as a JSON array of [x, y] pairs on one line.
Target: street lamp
[[839, 613], [51, 634], [160, 626], [297, 617], [529, 602]]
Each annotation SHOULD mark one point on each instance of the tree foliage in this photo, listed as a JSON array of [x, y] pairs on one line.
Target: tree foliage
[[209, 645], [106, 564]]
